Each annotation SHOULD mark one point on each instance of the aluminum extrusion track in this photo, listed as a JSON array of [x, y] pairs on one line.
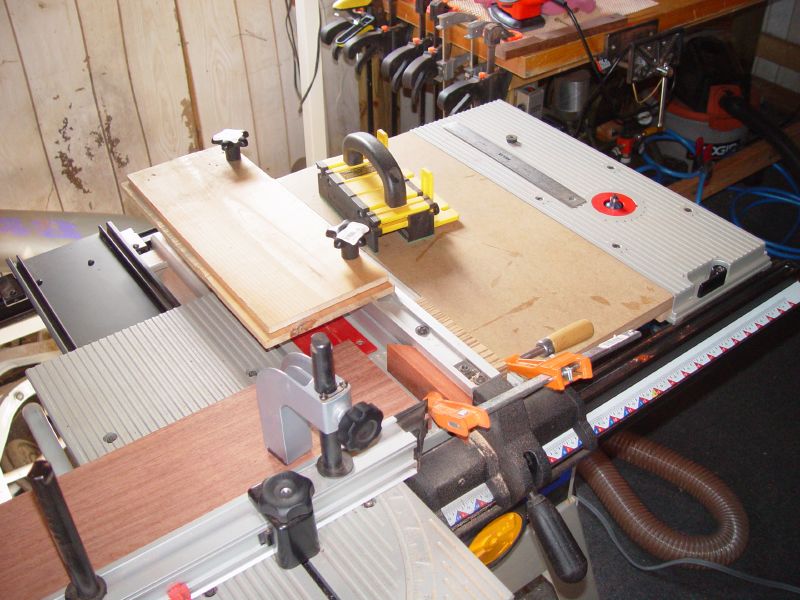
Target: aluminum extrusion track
[[120, 388]]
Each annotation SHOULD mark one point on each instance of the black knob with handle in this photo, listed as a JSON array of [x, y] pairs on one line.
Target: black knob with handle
[[285, 501], [566, 557]]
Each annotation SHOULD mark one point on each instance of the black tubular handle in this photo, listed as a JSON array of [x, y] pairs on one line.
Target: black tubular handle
[[322, 364], [356, 146], [84, 583], [566, 557]]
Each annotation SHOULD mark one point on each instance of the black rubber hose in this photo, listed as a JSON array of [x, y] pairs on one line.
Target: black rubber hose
[[738, 108], [722, 546]]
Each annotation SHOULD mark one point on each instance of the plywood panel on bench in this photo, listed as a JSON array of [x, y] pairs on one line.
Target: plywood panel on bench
[[261, 250], [141, 492], [506, 273]]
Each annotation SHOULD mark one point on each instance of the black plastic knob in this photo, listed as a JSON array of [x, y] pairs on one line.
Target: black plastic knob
[[286, 496], [359, 426]]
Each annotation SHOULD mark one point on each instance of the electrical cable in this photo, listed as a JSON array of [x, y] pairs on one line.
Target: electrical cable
[[596, 512], [595, 69], [296, 57], [768, 196], [593, 96], [650, 95], [764, 196]]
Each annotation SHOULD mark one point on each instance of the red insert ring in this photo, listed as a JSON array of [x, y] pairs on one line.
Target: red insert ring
[[614, 204]]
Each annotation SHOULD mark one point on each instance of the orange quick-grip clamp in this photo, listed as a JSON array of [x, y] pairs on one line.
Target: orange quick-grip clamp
[[563, 368], [456, 417]]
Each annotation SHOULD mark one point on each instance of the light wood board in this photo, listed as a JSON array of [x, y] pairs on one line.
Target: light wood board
[[134, 495], [506, 274], [261, 250]]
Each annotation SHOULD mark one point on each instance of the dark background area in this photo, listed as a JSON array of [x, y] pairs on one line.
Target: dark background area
[[741, 420]]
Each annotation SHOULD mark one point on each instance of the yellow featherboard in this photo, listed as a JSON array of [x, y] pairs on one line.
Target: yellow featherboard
[[369, 190]]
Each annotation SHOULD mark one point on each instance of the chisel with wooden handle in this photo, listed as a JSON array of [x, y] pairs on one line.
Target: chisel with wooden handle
[[572, 334]]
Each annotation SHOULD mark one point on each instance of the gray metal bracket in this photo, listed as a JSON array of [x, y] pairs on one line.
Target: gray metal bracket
[[289, 405]]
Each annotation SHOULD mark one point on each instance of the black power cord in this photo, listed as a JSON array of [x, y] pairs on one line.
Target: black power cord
[[295, 56], [595, 69], [597, 513]]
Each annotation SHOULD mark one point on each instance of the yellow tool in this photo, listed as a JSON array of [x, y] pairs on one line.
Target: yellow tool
[[456, 417], [559, 340], [369, 187]]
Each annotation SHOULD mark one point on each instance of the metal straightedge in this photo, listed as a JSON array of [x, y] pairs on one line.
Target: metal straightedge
[[397, 318], [527, 171], [224, 542]]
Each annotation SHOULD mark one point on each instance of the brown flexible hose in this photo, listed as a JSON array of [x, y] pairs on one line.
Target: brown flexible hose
[[722, 546]]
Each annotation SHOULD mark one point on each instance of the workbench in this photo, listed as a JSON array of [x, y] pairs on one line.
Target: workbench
[[542, 62]]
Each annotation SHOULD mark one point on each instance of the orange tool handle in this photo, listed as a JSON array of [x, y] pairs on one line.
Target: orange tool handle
[[456, 417], [563, 368]]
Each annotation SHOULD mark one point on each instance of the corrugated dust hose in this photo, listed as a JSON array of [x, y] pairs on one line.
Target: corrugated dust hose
[[722, 546]]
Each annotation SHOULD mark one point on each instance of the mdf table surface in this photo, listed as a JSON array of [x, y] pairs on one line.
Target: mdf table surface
[[139, 493], [506, 274]]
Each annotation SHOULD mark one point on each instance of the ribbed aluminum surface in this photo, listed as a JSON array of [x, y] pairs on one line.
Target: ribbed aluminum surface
[[144, 377], [396, 549], [669, 240]]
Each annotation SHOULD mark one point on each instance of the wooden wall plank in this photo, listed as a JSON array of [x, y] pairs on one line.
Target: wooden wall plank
[[24, 171], [263, 78], [291, 104], [102, 32], [216, 63], [158, 77], [51, 45]]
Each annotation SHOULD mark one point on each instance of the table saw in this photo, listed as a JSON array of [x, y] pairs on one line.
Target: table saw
[[234, 343]]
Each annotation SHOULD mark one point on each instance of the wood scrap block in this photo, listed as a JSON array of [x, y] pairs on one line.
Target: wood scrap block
[[139, 493], [410, 367], [258, 247]]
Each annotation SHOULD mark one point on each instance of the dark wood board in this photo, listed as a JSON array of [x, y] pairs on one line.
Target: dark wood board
[[139, 493]]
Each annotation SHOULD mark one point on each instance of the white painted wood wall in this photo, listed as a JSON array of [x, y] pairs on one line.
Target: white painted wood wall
[[91, 90]]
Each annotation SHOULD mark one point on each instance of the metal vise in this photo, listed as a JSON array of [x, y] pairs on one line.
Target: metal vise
[[304, 392]]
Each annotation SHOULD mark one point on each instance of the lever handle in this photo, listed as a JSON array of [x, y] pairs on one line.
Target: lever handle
[[359, 145], [322, 364], [566, 557], [84, 583]]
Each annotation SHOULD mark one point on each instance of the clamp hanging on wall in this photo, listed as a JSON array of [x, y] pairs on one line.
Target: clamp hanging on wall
[[480, 86], [368, 187]]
